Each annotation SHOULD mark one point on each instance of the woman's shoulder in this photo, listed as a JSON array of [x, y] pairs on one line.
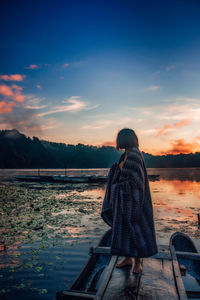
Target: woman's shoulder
[[135, 154]]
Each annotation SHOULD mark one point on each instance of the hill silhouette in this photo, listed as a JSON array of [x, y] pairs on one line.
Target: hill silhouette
[[19, 151]]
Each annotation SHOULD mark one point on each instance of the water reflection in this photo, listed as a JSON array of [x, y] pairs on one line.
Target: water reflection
[[44, 227]]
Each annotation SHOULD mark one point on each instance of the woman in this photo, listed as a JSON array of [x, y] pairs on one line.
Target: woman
[[127, 205]]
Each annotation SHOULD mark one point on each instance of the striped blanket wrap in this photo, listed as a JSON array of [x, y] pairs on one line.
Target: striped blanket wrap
[[127, 208]]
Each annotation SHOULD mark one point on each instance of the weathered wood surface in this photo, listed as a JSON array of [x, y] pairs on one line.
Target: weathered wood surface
[[188, 255], [67, 295], [177, 275], [106, 278], [157, 281], [123, 284]]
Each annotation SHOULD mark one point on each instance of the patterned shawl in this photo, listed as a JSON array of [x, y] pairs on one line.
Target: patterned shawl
[[127, 208]]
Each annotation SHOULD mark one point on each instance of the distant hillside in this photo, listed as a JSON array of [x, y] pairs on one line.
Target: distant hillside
[[19, 151]]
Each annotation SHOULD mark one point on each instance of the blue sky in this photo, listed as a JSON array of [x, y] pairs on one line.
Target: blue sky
[[89, 68]]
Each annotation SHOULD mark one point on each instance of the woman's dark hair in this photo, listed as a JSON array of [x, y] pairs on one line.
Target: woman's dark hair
[[126, 138]]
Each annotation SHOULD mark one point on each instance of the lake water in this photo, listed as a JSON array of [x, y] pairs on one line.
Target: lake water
[[46, 229]]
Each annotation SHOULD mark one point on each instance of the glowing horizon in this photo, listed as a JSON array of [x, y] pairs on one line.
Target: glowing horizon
[[83, 81]]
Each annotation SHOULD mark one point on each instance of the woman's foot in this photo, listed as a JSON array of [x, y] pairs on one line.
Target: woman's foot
[[127, 261], [137, 268]]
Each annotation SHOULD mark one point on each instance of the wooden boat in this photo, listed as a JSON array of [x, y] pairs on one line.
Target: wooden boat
[[86, 285], [100, 280], [63, 179], [70, 179], [186, 265]]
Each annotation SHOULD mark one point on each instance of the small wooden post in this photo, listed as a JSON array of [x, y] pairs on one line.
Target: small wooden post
[[38, 172], [65, 171], [198, 216], [183, 270]]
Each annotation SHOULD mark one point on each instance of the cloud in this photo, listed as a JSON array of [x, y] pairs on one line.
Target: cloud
[[177, 110], [73, 105], [165, 128], [17, 96], [105, 123], [38, 86], [13, 92], [153, 88], [124, 120], [32, 67], [20, 119], [170, 67], [6, 90], [34, 107], [34, 103], [183, 108], [98, 125], [109, 143], [10, 94], [17, 87], [50, 124], [65, 65], [6, 107], [25, 119], [156, 72], [180, 146], [13, 77]]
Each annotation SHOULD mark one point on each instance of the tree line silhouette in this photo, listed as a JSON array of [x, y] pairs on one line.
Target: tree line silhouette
[[19, 151]]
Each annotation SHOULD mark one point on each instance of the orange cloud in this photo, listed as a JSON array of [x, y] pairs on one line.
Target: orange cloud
[[6, 107], [10, 93], [18, 97], [14, 86], [182, 123], [14, 77], [163, 130], [6, 90], [180, 146], [110, 143], [32, 67]]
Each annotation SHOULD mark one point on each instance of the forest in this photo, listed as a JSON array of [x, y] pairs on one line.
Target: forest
[[19, 151]]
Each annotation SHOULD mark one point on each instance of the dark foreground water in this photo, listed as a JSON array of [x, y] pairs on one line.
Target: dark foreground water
[[46, 229]]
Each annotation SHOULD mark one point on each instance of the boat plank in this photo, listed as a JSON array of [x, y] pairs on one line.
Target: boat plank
[[165, 254], [70, 295], [177, 275], [157, 281], [123, 284], [188, 255], [106, 278]]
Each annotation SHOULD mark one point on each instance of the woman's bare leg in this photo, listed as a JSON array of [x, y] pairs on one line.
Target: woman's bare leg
[[127, 261], [138, 266]]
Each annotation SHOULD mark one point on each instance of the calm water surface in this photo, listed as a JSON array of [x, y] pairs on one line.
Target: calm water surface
[[46, 229]]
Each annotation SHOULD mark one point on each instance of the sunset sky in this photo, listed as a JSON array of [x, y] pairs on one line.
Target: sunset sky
[[78, 71]]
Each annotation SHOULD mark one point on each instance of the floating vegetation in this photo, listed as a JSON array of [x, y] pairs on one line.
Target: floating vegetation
[[41, 215], [41, 226]]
